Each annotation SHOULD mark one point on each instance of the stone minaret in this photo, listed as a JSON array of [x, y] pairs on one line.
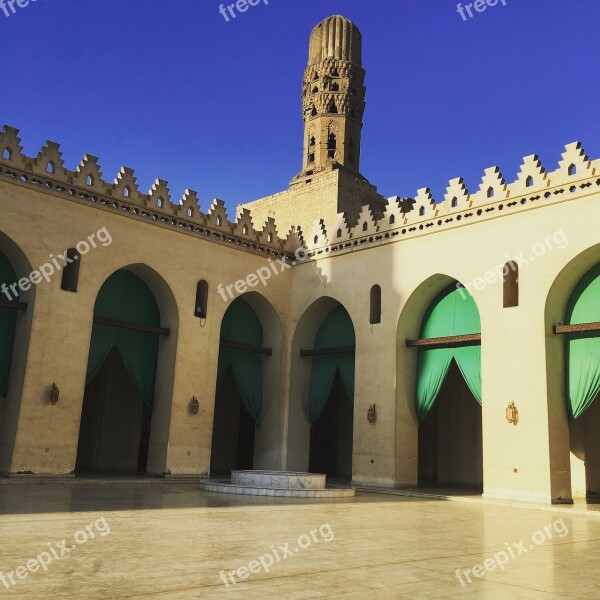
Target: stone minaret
[[333, 105], [333, 96]]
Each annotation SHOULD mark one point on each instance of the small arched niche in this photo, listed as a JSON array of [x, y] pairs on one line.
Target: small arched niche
[[375, 316], [511, 285], [201, 306]]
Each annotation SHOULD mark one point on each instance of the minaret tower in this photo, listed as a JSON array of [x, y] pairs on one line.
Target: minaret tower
[[333, 96], [333, 106]]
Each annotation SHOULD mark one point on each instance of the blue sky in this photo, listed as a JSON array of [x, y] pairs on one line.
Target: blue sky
[[172, 90]]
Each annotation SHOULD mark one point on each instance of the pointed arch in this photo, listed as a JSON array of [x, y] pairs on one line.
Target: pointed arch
[[426, 380], [246, 412], [453, 312], [124, 297], [240, 325], [571, 377], [135, 332], [322, 389], [336, 331]]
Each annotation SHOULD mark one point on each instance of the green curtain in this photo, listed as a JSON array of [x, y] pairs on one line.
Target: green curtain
[[336, 331], [125, 297], [240, 324], [583, 349], [453, 312], [8, 324]]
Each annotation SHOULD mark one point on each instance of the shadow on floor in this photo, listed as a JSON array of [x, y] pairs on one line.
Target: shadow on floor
[[126, 493]]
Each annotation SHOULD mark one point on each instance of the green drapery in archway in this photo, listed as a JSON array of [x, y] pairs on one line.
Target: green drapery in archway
[[240, 324], [453, 312], [125, 297], [336, 331], [8, 324], [583, 349]]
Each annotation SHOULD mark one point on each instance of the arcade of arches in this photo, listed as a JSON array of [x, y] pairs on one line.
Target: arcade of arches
[[144, 360], [115, 433]]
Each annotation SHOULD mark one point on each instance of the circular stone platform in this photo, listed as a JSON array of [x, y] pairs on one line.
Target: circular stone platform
[[283, 484], [279, 480]]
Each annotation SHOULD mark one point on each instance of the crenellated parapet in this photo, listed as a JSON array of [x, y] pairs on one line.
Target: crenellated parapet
[[86, 185], [576, 177]]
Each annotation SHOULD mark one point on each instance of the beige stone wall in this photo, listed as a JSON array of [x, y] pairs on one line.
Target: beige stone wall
[[299, 206], [529, 461], [316, 198], [411, 256], [54, 347]]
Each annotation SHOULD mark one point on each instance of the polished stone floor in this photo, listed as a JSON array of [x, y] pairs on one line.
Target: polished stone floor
[[170, 540]]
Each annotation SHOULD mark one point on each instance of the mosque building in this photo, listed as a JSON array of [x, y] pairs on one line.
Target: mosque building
[[390, 342]]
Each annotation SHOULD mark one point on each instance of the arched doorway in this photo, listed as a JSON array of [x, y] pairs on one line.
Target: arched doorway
[[448, 397], [16, 314], [239, 396], [582, 353], [331, 396], [118, 401]]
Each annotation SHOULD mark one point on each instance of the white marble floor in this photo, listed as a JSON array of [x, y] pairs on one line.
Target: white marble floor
[[171, 540]]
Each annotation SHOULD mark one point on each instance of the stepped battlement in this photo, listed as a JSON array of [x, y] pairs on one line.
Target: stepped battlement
[[47, 172], [576, 176]]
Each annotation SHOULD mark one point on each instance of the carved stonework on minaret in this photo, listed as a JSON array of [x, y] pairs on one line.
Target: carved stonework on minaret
[[333, 96]]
